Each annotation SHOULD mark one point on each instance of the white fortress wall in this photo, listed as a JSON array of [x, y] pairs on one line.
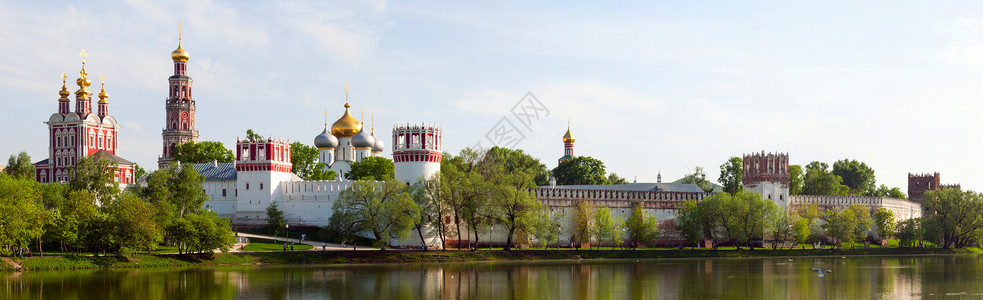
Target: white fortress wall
[[221, 197]]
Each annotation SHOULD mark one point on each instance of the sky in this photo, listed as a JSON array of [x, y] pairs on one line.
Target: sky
[[647, 86]]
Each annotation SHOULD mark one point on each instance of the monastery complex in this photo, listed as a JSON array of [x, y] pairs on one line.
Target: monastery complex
[[261, 173]]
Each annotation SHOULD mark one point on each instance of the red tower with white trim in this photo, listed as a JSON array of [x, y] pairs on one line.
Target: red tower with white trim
[[179, 124]]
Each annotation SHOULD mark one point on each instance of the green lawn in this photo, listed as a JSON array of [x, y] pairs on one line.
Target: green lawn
[[258, 246]]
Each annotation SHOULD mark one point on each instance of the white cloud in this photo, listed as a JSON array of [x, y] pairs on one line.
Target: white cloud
[[965, 42]]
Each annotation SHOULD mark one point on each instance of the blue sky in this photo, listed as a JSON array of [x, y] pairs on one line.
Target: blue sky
[[648, 86]]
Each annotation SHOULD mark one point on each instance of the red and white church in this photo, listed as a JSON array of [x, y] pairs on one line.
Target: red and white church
[[81, 133]]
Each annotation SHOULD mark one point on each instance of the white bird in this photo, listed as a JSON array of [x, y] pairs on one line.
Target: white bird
[[820, 272]]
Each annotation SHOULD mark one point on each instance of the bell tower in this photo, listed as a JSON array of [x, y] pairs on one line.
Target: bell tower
[[179, 119]]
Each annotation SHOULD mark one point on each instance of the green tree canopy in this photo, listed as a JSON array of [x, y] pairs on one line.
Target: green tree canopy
[[730, 175], [372, 168], [202, 152], [252, 135], [958, 217], [383, 209], [304, 160], [884, 219], [275, 223], [699, 178], [795, 180], [856, 175], [641, 227], [516, 160], [894, 192], [97, 177], [613, 178], [819, 181], [20, 166], [580, 170]]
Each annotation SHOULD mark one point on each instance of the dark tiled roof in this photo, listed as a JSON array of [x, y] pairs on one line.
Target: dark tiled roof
[[43, 162], [662, 187], [102, 154], [216, 172]]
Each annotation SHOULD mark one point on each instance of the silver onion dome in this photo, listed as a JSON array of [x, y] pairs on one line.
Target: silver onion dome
[[362, 139], [325, 140]]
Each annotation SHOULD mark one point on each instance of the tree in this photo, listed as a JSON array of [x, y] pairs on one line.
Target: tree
[[139, 172], [895, 192], [606, 228], [861, 222], [730, 175], [202, 152], [641, 227], [383, 209], [469, 190], [747, 216], [372, 168], [76, 216], [856, 175], [547, 229], [252, 136], [583, 222], [275, 222], [22, 217], [433, 209], [176, 189], [304, 160], [782, 227], [819, 181], [688, 221], [97, 177], [613, 178], [795, 180], [836, 226], [958, 218], [884, 218], [131, 220], [516, 160], [800, 230], [712, 217], [909, 232], [580, 170], [20, 166], [699, 178]]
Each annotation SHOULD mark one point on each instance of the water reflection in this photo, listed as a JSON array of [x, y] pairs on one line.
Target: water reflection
[[768, 278]]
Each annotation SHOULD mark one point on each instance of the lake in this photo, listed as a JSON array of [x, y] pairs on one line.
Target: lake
[[898, 277]]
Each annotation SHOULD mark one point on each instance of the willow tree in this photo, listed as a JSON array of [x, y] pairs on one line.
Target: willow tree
[[383, 209]]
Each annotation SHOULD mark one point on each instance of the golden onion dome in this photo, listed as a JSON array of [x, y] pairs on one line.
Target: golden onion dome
[[568, 137], [179, 54], [64, 89], [346, 126], [103, 96]]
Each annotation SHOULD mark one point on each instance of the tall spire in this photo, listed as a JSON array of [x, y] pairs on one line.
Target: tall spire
[[83, 104], [179, 54], [325, 117], [103, 99], [63, 101], [103, 96]]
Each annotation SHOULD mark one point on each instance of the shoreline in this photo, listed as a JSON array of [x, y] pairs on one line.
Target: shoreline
[[433, 256]]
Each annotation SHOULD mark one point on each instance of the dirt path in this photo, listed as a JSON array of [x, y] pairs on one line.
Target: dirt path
[[12, 263]]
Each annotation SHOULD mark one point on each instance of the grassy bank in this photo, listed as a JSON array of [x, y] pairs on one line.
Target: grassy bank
[[397, 256], [140, 261]]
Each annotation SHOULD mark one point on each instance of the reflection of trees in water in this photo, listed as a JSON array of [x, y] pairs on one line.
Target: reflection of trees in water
[[764, 278]]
